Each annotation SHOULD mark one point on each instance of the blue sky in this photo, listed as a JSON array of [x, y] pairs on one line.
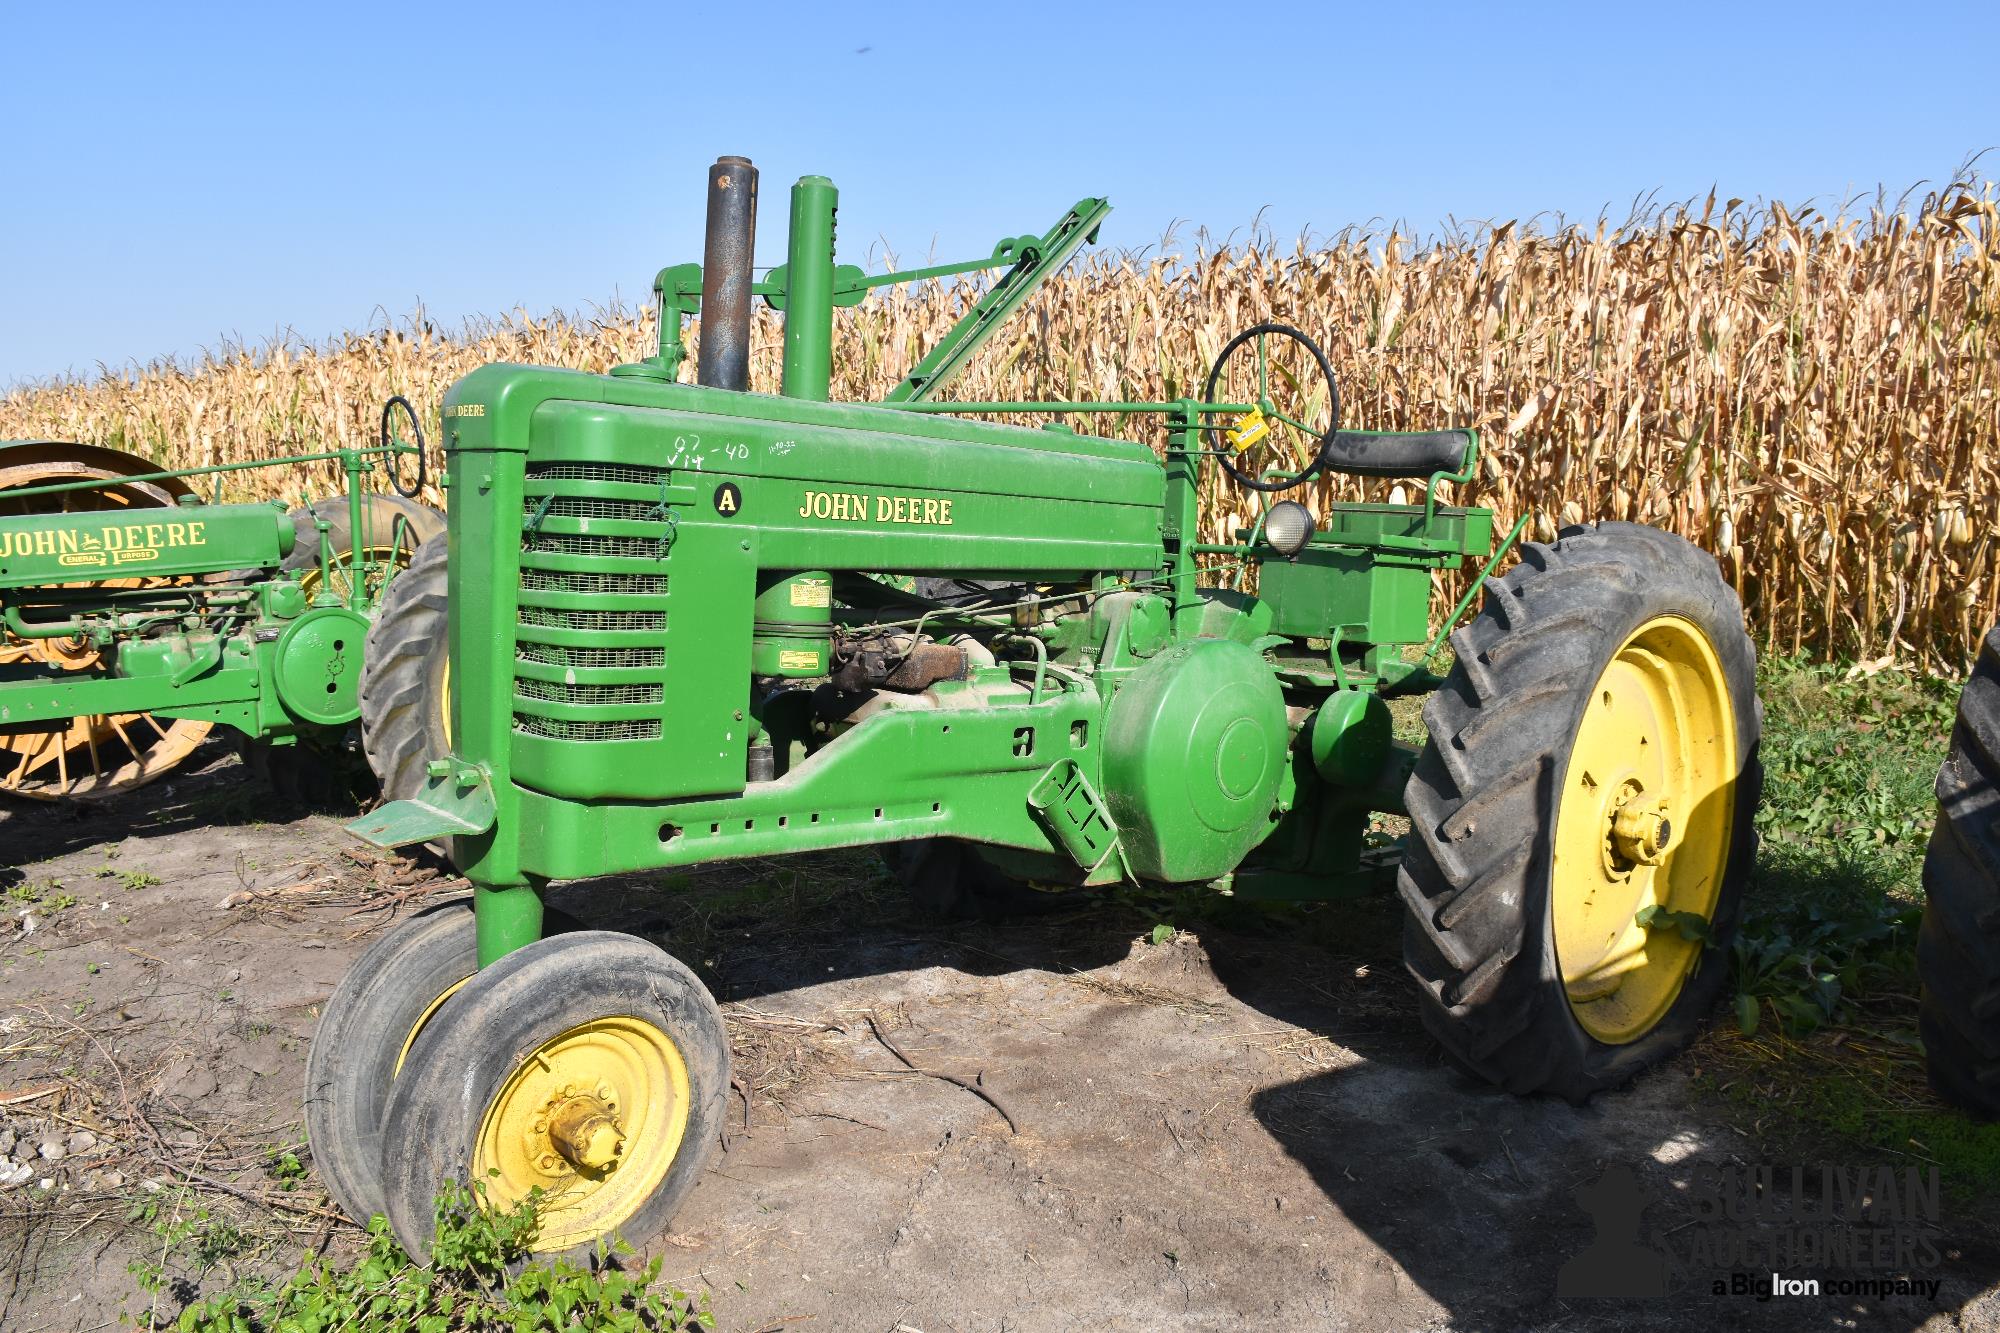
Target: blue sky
[[180, 175]]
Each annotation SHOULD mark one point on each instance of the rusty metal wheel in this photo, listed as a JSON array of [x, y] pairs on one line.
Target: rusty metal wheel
[[99, 754]]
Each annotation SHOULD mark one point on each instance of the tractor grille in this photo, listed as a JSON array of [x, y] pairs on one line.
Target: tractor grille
[[557, 729], [548, 618], [554, 692], [561, 655], [624, 614]]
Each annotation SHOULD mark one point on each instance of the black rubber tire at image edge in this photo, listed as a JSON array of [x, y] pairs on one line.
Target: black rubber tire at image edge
[[464, 1056], [1958, 947], [1476, 877]]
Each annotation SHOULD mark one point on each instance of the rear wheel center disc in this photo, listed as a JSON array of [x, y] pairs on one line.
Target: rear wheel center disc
[[1643, 821]]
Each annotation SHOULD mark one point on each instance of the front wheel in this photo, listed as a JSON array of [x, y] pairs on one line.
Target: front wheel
[[592, 1067], [1581, 815]]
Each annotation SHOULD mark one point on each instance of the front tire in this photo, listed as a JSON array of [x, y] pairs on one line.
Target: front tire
[[592, 1066], [365, 1030], [1958, 947], [1592, 754]]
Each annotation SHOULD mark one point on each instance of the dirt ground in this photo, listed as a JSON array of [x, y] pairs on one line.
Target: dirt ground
[[1238, 1130]]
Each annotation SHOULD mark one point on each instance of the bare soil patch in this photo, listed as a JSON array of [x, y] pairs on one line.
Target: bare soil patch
[[1240, 1129]]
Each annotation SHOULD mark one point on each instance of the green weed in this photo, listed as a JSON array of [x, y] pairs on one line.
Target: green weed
[[480, 1280]]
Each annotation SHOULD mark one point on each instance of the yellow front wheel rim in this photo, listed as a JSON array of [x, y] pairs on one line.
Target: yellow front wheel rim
[[1644, 819], [594, 1118]]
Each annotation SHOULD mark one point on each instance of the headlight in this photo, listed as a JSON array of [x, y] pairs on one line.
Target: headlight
[[1288, 526]]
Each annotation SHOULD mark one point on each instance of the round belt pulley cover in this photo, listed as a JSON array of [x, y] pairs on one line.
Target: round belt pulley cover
[[1195, 747], [319, 666]]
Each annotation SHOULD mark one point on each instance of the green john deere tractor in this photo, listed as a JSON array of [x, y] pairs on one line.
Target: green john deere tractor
[[134, 618], [1958, 946], [689, 623]]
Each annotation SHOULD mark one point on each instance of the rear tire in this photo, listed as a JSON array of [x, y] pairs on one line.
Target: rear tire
[[1958, 947], [392, 527], [406, 677], [1613, 626], [948, 879]]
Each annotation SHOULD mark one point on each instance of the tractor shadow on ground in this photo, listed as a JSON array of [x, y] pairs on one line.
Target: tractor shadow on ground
[[208, 791], [1472, 1192], [1482, 1198]]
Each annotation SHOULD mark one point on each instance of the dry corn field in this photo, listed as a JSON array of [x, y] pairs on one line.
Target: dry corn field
[[1810, 397]]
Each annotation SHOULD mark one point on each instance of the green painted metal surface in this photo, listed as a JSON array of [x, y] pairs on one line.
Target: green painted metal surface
[[41, 549], [1084, 701], [156, 600]]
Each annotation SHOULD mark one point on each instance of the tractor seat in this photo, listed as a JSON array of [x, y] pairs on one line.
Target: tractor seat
[[1367, 453]]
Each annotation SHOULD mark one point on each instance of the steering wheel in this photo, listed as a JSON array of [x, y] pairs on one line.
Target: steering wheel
[[390, 449], [1288, 431]]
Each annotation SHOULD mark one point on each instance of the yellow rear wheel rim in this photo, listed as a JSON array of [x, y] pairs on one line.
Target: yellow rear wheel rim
[[1643, 820], [594, 1118]]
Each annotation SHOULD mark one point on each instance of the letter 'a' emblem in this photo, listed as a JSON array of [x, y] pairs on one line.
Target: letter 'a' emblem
[[728, 500]]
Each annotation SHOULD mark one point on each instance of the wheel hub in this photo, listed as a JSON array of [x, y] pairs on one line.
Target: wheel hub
[[585, 1132], [1641, 834]]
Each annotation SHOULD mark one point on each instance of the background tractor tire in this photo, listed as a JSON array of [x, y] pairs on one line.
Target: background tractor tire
[[393, 529], [406, 677], [948, 879], [593, 1028], [1616, 643], [1958, 947]]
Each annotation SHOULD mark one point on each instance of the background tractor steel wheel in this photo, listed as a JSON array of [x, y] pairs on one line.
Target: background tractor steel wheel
[[97, 754], [1958, 949], [321, 771], [593, 1066], [1581, 815], [406, 677]]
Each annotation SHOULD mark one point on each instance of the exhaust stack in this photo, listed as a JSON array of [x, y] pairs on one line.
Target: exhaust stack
[[723, 357]]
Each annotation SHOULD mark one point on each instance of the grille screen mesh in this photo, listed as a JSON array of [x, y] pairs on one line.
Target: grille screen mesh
[[546, 618], [618, 472], [561, 729], [629, 585], [632, 548], [540, 703], [573, 506], [557, 655], [556, 692]]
